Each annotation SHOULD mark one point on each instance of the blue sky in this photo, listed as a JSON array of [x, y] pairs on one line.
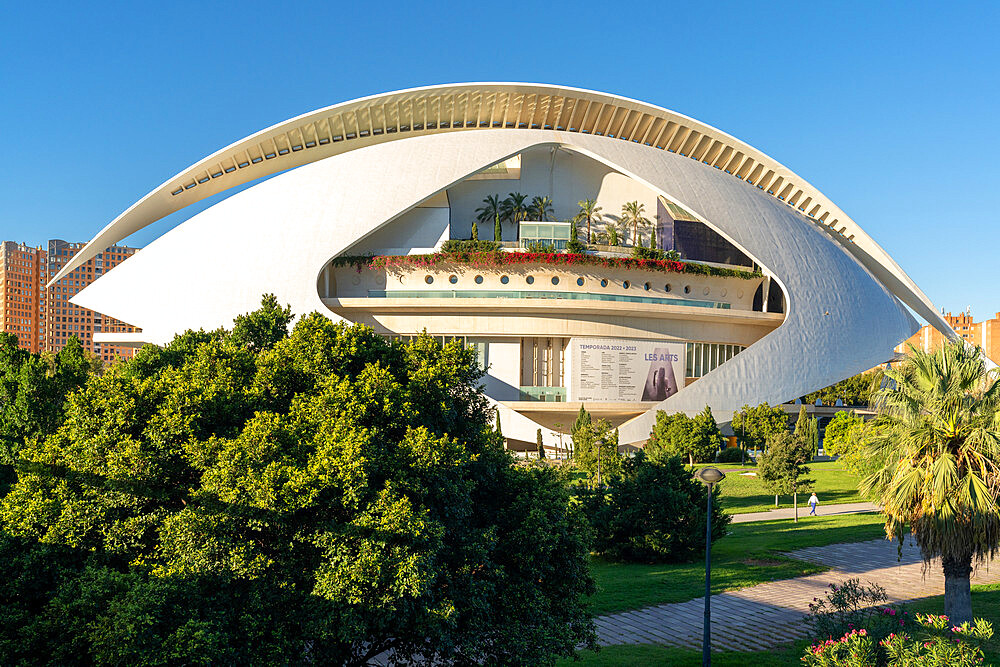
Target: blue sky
[[891, 109]]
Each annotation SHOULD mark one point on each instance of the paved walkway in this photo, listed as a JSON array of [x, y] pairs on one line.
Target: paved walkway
[[789, 512], [771, 614]]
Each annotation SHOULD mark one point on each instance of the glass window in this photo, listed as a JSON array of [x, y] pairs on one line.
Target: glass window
[[453, 279], [504, 280], [530, 280], [579, 281]]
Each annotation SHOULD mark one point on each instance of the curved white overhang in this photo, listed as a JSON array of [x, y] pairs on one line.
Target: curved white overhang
[[277, 236], [462, 107]]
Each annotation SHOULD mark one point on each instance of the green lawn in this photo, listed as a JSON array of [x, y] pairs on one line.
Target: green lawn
[[748, 555], [747, 494], [985, 604]]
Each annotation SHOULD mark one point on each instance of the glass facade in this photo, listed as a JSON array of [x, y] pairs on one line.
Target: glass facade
[[702, 358]]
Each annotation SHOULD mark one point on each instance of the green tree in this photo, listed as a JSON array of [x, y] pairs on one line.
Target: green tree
[[782, 466], [753, 426], [320, 501], [475, 231], [612, 235], [541, 447], [264, 327], [33, 391], [633, 213], [807, 429], [855, 390], [937, 440], [595, 448], [697, 438], [590, 213], [491, 211], [514, 210], [837, 435], [540, 208], [654, 512]]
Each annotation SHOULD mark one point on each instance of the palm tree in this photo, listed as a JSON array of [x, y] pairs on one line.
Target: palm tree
[[540, 209], [936, 448], [589, 211], [491, 211], [514, 210], [632, 213]]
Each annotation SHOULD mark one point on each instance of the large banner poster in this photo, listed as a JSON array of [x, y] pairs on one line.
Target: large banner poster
[[618, 370]]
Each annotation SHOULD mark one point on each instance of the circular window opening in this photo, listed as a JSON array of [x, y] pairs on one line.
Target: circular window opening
[[530, 280], [646, 287], [604, 282], [687, 289], [555, 280], [428, 279], [579, 281], [504, 280], [453, 279], [667, 287], [626, 284], [479, 280]]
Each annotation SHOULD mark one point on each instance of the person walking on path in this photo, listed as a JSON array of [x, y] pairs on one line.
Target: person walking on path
[[813, 501]]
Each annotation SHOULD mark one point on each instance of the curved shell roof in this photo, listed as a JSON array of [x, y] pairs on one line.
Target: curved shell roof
[[501, 106]]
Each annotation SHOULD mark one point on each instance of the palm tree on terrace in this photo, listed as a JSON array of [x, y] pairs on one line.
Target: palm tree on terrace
[[632, 213], [514, 209], [936, 445], [541, 209], [590, 212], [491, 211]]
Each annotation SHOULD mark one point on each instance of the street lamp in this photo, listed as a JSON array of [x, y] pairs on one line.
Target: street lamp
[[709, 477]]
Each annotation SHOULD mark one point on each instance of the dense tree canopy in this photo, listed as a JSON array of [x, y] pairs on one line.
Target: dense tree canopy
[[33, 391], [653, 512], [255, 497], [754, 425], [855, 390], [695, 438], [838, 434]]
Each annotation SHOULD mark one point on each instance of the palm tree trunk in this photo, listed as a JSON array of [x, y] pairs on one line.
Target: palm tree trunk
[[957, 592]]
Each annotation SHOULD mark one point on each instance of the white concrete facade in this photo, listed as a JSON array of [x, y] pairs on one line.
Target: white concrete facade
[[405, 191]]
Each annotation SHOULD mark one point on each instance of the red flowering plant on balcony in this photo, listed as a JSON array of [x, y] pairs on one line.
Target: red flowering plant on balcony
[[497, 259]]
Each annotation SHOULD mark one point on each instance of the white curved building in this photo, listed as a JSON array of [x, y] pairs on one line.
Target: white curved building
[[804, 297]]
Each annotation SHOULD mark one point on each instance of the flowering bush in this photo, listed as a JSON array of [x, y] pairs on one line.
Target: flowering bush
[[934, 643], [854, 649], [499, 259], [853, 606], [944, 646]]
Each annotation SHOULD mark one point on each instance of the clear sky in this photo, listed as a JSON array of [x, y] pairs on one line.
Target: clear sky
[[891, 109]]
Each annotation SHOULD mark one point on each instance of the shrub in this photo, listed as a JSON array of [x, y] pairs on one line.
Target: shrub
[[576, 247], [538, 246], [853, 606], [655, 512], [470, 245], [940, 645], [733, 455], [933, 644]]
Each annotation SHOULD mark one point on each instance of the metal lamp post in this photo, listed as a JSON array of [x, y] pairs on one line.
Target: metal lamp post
[[709, 477]]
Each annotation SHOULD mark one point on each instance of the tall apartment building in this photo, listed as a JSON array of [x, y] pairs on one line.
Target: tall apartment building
[[985, 334], [42, 317], [22, 291]]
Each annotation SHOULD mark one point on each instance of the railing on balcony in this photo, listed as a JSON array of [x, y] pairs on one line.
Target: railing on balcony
[[547, 394], [541, 294]]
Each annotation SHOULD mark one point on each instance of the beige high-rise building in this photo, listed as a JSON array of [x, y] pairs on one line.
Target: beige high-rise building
[[42, 317], [985, 334]]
